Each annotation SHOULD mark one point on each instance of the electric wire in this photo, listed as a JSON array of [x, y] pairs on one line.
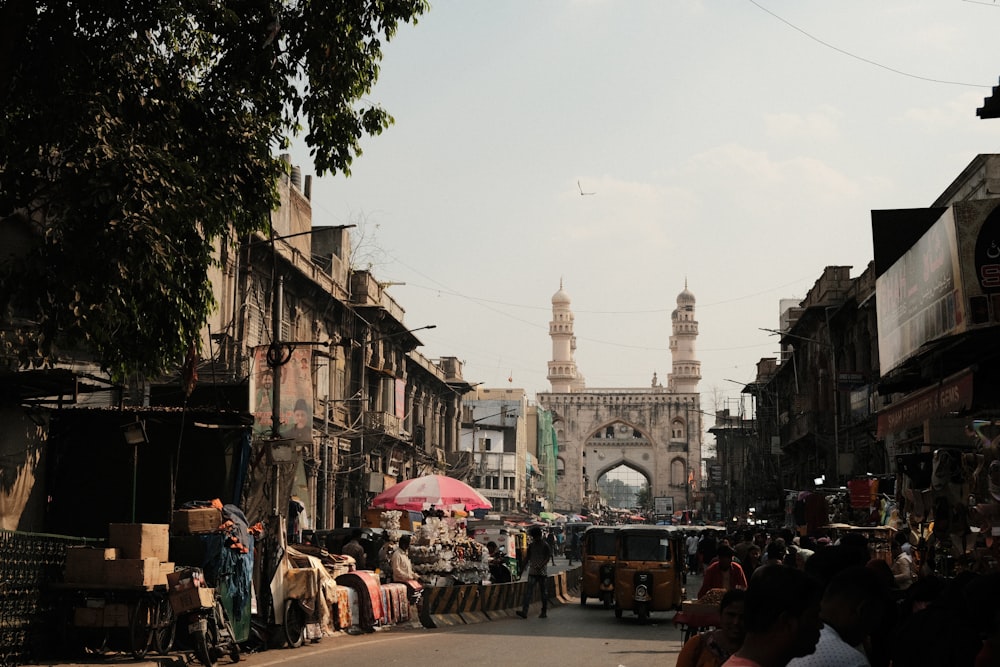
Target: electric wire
[[861, 58]]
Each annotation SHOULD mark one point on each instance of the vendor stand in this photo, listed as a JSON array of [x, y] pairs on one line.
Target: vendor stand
[[118, 594]]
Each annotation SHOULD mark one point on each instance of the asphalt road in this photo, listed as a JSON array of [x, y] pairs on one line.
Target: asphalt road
[[582, 636]]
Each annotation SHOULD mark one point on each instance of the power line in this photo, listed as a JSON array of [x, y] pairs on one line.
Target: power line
[[862, 59]]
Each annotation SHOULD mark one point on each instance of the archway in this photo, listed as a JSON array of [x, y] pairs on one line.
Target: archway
[[624, 487]]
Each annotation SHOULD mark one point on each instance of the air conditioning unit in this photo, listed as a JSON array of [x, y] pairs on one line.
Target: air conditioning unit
[[376, 482]]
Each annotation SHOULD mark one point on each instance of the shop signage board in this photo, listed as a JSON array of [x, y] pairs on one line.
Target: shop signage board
[[946, 282], [663, 505]]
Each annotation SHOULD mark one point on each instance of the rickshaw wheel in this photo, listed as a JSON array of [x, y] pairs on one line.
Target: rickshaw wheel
[[166, 627], [141, 627], [295, 623]]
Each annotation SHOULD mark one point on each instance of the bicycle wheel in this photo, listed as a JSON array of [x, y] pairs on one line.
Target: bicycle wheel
[[141, 627], [200, 640], [165, 630], [295, 623]]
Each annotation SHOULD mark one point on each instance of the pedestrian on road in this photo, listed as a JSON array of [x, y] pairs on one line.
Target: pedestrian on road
[[692, 553], [550, 539], [574, 547], [712, 648], [853, 605], [781, 615], [537, 556], [723, 573]]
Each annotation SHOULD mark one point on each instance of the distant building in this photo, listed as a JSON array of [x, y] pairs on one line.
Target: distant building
[[655, 431]]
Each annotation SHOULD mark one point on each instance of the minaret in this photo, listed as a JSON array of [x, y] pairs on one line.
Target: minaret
[[686, 368], [562, 369]]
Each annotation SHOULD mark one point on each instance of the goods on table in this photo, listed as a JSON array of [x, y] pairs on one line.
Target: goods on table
[[713, 597], [442, 554]]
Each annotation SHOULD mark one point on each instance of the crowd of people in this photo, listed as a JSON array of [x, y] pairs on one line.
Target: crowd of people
[[817, 601]]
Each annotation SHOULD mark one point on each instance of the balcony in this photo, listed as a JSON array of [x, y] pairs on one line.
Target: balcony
[[383, 423]]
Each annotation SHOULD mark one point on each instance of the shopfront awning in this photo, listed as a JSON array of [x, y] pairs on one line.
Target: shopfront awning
[[951, 395]]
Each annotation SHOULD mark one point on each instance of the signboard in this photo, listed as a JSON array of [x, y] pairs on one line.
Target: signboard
[[947, 282], [954, 394], [715, 475], [663, 505], [916, 296]]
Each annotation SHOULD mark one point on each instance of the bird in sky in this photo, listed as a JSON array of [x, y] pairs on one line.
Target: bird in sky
[[581, 190]]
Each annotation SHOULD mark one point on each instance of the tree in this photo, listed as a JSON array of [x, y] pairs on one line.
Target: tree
[[644, 498], [139, 134]]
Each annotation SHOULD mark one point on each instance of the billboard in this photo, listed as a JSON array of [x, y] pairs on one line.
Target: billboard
[[296, 395], [945, 283]]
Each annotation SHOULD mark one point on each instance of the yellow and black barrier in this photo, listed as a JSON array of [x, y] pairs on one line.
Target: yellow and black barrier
[[440, 606], [443, 606]]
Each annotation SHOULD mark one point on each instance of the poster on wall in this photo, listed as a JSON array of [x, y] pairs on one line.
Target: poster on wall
[[296, 395]]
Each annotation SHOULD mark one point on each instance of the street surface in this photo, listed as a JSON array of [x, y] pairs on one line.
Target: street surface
[[571, 635]]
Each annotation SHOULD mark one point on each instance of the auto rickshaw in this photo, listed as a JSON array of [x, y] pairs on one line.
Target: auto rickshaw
[[648, 566], [597, 577]]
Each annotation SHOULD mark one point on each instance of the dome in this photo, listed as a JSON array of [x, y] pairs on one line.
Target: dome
[[560, 297], [685, 296]]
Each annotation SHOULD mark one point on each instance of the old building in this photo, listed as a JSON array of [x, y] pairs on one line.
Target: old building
[[654, 431], [494, 446]]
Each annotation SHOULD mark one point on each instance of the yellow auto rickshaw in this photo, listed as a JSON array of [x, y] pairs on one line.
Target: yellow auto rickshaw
[[597, 576], [648, 566]]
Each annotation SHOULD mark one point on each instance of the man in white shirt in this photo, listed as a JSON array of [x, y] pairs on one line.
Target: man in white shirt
[[691, 543], [853, 605]]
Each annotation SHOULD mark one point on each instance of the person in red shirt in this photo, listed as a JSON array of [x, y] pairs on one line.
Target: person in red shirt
[[723, 573]]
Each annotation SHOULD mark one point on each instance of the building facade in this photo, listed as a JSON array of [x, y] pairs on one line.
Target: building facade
[[654, 431]]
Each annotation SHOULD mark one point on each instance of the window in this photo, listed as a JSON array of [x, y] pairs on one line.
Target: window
[[677, 477], [645, 547]]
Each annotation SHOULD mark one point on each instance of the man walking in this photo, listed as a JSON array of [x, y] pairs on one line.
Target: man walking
[[537, 556]]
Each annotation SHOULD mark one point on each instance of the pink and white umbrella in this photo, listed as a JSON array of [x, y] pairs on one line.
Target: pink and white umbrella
[[420, 493]]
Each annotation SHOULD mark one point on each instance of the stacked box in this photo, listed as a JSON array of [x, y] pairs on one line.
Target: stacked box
[[196, 521], [141, 540], [132, 572], [86, 565], [165, 569], [189, 599]]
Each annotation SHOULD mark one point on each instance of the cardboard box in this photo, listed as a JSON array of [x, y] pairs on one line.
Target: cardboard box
[[165, 569], [190, 599], [195, 521], [116, 615], [140, 540], [191, 577], [132, 572], [85, 565], [88, 617]]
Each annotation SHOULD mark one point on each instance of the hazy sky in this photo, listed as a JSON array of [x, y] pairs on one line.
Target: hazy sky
[[737, 145]]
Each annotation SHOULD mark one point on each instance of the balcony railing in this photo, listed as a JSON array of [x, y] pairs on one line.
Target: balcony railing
[[385, 423]]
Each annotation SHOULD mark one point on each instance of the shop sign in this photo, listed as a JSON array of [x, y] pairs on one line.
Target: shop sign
[[946, 283], [663, 505], [952, 395]]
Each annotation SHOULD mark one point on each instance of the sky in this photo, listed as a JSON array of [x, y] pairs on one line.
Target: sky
[[735, 146]]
